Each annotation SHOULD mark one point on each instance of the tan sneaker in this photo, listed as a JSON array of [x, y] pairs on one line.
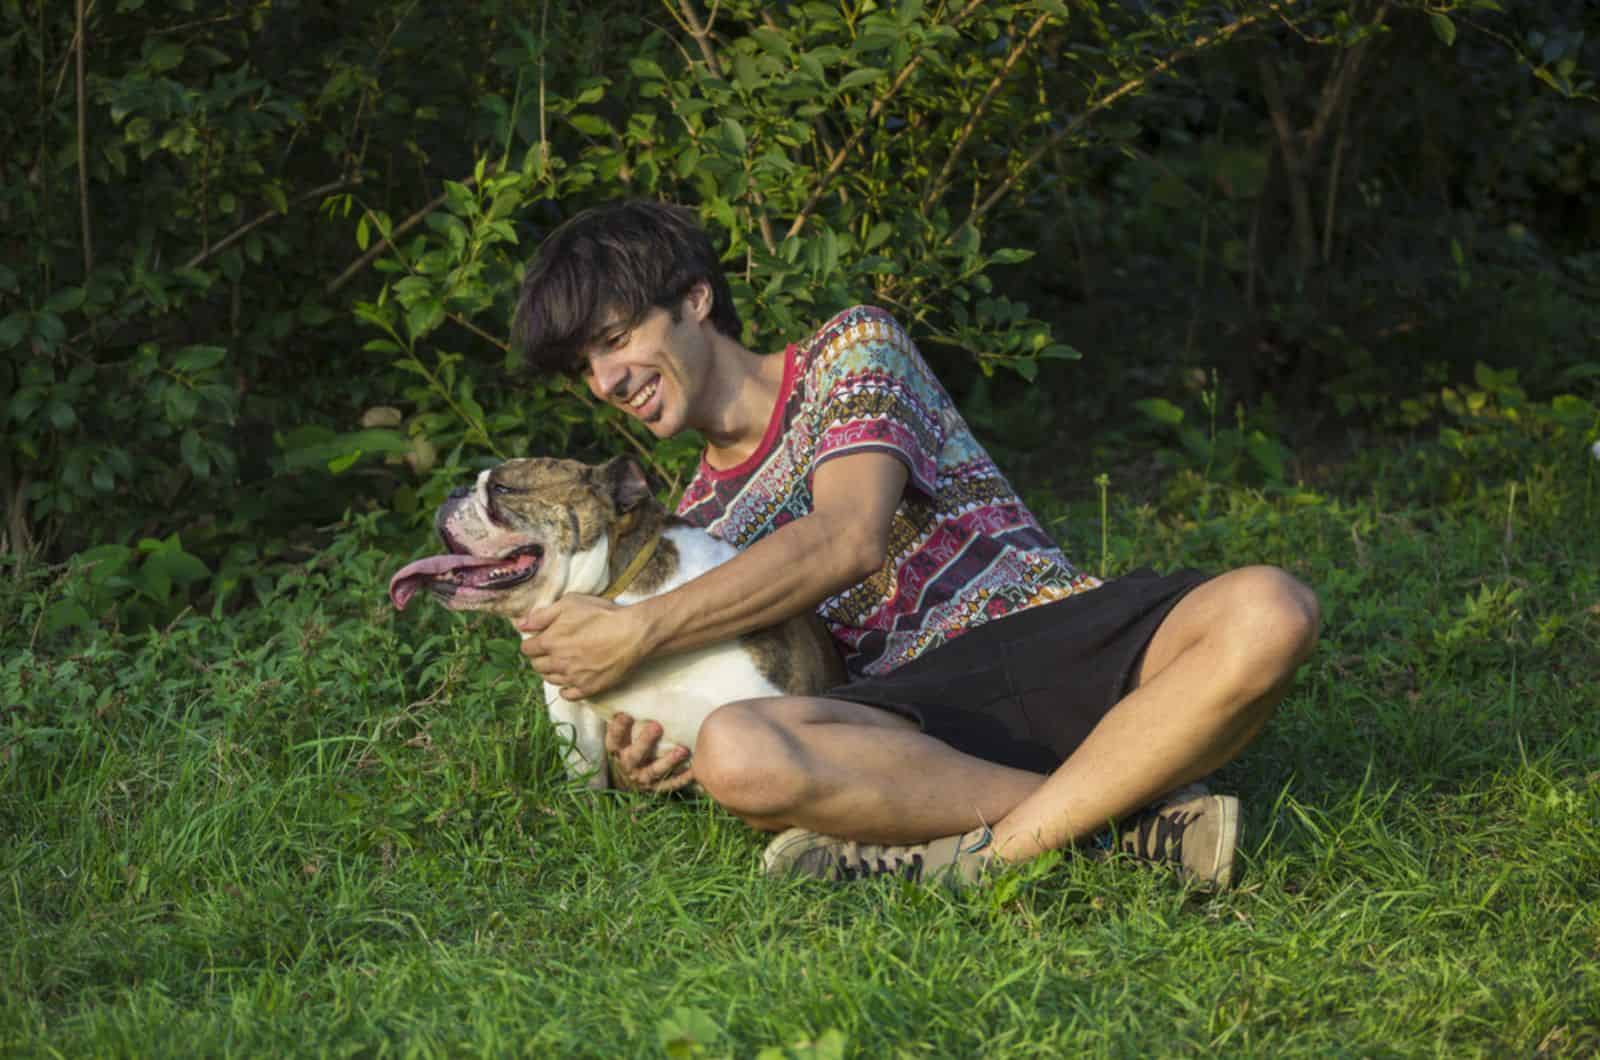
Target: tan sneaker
[[955, 861], [1192, 830]]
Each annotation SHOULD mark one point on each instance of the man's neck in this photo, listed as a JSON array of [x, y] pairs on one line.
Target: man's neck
[[741, 394]]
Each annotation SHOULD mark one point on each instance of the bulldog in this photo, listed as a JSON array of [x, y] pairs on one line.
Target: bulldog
[[530, 531]]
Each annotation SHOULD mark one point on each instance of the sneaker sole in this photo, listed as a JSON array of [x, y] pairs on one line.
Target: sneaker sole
[[1227, 807], [774, 861]]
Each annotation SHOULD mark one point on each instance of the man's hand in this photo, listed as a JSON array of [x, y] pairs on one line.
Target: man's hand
[[583, 644], [634, 762]]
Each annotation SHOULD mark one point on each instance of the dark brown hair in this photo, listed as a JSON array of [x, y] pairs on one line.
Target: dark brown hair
[[609, 264]]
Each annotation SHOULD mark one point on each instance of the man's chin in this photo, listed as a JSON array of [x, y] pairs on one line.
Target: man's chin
[[660, 425]]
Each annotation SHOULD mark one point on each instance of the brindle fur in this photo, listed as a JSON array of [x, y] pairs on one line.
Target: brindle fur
[[567, 506]]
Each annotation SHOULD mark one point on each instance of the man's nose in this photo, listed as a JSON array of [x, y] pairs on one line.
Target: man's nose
[[610, 380]]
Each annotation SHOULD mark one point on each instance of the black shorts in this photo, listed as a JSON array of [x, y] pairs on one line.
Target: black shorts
[[1024, 690]]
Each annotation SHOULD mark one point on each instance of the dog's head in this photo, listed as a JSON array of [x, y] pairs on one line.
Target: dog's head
[[526, 533]]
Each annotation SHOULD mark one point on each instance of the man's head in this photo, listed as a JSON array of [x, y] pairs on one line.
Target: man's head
[[607, 268]]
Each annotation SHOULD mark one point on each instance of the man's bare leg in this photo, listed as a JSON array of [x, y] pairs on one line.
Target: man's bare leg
[[848, 770], [1210, 678]]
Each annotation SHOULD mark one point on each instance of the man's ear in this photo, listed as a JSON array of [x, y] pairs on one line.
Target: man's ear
[[699, 301], [626, 483]]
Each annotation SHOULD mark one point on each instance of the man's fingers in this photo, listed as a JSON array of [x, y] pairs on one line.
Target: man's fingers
[[632, 747], [619, 733], [535, 621], [667, 772], [676, 782], [663, 765], [640, 749], [540, 618]]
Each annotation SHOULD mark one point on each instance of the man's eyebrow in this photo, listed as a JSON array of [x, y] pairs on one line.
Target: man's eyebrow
[[613, 328]]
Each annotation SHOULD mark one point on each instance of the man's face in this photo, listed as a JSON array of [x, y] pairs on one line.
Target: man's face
[[652, 370]]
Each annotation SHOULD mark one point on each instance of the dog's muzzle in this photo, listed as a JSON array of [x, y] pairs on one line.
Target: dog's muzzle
[[449, 574]]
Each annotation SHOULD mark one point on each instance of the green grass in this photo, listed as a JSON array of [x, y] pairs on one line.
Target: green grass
[[317, 827]]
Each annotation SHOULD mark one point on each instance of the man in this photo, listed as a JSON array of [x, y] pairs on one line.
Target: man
[[1002, 703]]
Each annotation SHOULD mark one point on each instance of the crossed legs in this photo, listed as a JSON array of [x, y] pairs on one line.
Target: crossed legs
[[1211, 676]]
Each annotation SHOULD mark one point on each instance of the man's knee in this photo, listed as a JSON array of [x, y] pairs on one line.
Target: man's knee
[[1271, 626], [746, 760]]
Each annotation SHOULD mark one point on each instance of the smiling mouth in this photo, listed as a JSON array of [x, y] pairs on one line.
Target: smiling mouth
[[452, 572], [644, 394]]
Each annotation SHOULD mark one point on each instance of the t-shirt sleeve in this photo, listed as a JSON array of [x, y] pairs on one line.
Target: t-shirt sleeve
[[874, 393]]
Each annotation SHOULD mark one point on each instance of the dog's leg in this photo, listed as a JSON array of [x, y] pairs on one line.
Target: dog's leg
[[589, 744], [586, 758]]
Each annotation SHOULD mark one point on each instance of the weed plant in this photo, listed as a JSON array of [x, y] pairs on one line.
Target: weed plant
[[316, 827]]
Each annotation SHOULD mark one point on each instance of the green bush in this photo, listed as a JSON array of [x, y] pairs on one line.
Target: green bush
[[265, 255]]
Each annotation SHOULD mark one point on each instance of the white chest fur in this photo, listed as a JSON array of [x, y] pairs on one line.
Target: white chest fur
[[676, 691]]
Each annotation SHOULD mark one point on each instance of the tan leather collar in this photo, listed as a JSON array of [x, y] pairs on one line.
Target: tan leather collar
[[620, 583]]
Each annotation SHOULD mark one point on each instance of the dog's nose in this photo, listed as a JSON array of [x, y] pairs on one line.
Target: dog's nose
[[459, 492]]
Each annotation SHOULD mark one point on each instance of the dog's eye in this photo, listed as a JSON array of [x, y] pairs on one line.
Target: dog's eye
[[500, 489]]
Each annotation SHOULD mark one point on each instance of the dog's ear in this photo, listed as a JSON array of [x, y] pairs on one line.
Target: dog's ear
[[626, 482]]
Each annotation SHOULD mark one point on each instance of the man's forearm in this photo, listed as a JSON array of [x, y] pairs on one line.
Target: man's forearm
[[786, 573]]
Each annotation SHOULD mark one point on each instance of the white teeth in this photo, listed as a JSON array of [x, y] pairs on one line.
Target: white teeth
[[645, 394]]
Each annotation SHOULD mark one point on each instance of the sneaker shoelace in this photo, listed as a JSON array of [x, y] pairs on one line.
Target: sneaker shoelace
[[1160, 836], [855, 861], [855, 865]]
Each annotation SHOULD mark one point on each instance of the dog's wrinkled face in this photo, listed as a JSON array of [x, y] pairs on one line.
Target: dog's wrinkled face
[[524, 534]]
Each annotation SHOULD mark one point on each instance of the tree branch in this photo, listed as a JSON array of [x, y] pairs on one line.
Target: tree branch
[[245, 229], [1331, 198], [1346, 91], [378, 249], [1126, 88], [937, 189], [702, 36], [136, 304], [16, 540], [1300, 151], [836, 163], [68, 56], [701, 32], [1336, 90], [1294, 166], [83, 150], [461, 321]]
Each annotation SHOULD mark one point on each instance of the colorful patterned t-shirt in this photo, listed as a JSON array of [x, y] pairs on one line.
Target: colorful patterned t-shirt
[[963, 548]]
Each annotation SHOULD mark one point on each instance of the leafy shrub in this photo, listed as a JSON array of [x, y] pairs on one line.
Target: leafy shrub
[[265, 257], [179, 353], [1241, 453]]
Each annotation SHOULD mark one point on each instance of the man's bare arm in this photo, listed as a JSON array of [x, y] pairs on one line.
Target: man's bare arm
[[796, 567], [585, 645]]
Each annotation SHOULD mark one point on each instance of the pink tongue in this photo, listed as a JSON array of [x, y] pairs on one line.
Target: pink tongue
[[404, 585]]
